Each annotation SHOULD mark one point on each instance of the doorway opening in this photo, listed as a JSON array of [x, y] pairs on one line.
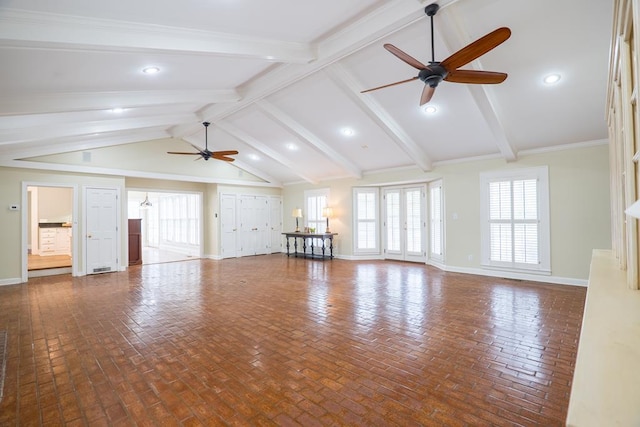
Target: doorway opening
[[49, 230], [170, 226]]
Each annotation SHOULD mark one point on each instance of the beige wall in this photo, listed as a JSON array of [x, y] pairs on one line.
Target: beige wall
[[55, 204], [211, 202], [11, 222], [579, 206]]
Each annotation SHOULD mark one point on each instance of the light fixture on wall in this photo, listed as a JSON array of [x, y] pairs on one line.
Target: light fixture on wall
[[146, 204], [297, 213], [327, 212]]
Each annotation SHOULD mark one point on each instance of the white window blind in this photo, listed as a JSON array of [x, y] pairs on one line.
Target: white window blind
[[516, 219], [436, 228], [366, 214]]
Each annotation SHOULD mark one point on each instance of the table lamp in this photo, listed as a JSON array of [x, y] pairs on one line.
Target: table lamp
[[297, 213], [327, 213]]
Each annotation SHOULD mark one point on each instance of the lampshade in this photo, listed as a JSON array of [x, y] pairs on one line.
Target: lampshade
[[634, 210], [297, 213], [327, 212]]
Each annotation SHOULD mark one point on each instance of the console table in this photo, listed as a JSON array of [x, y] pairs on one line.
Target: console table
[[307, 242]]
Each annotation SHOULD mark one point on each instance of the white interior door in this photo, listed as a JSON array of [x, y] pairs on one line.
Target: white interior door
[[254, 225], [405, 223], [275, 224], [228, 226], [102, 230]]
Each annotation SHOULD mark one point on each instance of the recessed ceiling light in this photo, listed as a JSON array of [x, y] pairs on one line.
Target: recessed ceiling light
[[254, 157], [117, 110], [347, 132], [151, 70], [430, 109], [291, 146], [551, 79]]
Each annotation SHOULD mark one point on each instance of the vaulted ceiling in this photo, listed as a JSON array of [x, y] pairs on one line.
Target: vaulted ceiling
[[280, 82]]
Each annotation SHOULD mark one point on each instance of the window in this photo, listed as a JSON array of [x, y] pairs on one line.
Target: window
[[315, 200], [515, 219], [366, 220], [436, 223], [179, 219]]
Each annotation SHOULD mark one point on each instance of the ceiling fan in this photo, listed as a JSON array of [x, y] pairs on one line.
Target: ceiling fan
[[206, 154], [448, 69]]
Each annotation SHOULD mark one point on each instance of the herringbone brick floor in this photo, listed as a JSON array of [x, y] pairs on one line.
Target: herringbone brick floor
[[271, 340]]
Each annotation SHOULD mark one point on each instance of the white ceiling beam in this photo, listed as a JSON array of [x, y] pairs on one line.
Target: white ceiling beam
[[294, 126], [82, 101], [53, 131], [389, 18], [348, 83], [78, 143], [454, 39], [22, 28], [264, 149]]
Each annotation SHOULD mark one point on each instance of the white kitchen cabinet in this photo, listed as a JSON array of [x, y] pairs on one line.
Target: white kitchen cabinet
[[55, 241]]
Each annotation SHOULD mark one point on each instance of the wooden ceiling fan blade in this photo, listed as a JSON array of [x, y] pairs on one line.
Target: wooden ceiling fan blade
[[476, 49], [225, 158], [405, 57], [476, 77], [179, 152], [222, 155], [390, 84], [427, 94]]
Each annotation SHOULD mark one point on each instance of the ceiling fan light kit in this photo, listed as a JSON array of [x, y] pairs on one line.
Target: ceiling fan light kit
[[206, 154], [448, 70]]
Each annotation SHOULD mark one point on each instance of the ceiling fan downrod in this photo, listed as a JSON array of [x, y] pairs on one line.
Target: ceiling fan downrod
[[431, 10]]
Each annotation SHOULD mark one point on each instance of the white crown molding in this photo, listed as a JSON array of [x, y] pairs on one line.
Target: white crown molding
[[92, 170]]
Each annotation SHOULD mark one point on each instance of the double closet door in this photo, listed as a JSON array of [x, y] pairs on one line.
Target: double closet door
[[250, 225], [405, 226]]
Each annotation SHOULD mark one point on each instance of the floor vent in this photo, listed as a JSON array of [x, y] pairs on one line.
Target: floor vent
[[101, 269]]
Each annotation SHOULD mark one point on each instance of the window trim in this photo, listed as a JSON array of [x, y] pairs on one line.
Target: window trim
[[541, 174]]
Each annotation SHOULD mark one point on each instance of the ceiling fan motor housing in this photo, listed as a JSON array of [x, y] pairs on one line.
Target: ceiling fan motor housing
[[433, 75]]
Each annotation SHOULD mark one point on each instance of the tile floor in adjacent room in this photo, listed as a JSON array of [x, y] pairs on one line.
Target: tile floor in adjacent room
[[271, 340]]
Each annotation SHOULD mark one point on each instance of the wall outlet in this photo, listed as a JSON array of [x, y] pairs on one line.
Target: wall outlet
[[470, 257]]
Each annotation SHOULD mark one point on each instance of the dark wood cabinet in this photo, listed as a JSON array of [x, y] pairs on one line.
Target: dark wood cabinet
[[135, 241]]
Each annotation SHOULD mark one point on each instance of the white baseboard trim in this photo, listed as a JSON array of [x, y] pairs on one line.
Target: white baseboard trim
[[10, 281], [517, 276], [372, 257], [213, 257]]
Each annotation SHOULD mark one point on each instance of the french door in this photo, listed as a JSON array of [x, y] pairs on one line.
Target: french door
[[405, 225]]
